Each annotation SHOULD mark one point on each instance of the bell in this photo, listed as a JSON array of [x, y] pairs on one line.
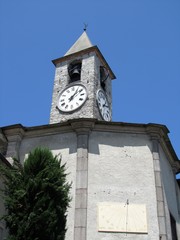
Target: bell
[[75, 72]]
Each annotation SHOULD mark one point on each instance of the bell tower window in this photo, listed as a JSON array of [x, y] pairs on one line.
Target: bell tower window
[[74, 71], [104, 74]]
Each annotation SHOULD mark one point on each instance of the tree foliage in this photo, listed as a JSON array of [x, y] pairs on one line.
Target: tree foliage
[[36, 197]]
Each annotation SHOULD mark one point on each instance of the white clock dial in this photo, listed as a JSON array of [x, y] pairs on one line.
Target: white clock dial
[[72, 97], [103, 105]]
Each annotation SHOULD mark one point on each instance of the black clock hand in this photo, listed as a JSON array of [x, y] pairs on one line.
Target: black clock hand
[[76, 94], [71, 98]]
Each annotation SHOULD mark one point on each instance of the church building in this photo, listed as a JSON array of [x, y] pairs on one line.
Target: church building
[[123, 174]]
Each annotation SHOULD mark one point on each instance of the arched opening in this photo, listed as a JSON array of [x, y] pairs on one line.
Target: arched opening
[[74, 71]]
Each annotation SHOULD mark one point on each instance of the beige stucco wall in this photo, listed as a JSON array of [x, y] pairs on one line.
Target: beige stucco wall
[[121, 168]]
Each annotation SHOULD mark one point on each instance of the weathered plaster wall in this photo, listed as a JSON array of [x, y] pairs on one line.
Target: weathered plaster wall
[[168, 178], [121, 168], [66, 146], [107, 163], [171, 191]]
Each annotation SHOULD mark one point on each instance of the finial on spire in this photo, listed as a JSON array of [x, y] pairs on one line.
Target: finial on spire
[[85, 26]]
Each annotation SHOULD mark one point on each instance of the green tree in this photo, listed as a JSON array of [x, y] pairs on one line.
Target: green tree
[[36, 197]]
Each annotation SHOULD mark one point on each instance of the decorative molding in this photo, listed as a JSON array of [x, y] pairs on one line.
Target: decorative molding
[[83, 126]]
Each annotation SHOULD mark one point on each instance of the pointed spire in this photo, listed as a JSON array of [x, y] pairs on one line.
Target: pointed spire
[[82, 43]]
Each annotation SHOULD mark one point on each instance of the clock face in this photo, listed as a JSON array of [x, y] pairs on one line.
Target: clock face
[[72, 97], [103, 105]]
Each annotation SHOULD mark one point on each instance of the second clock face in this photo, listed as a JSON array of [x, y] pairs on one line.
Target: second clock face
[[72, 97], [103, 105]]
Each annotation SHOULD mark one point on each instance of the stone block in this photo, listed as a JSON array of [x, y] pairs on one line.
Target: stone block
[[160, 207], [157, 165], [80, 217], [159, 193], [81, 198], [155, 155], [163, 237], [162, 226], [82, 141], [158, 179], [79, 233], [81, 179], [82, 163]]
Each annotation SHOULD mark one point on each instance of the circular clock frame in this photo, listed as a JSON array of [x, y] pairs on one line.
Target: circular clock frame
[[72, 98], [103, 105]]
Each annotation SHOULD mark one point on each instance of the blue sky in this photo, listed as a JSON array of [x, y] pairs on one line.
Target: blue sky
[[140, 39]]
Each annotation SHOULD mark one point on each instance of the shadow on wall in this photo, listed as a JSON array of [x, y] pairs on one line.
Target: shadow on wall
[[69, 140]]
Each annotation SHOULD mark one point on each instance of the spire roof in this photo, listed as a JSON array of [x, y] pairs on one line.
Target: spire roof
[[82, 43]]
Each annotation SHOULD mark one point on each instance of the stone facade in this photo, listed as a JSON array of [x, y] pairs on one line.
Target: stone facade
[[90, 77]]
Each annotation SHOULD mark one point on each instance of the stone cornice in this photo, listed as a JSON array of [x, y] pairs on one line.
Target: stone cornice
[[37, 131], [14, 132], [3, 140], [83, 126]]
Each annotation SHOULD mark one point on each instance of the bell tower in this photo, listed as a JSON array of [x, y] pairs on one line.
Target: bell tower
[[82, 84]]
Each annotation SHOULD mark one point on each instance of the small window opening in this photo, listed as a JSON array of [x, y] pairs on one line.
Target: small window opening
[[74, 71], [104, 74]]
